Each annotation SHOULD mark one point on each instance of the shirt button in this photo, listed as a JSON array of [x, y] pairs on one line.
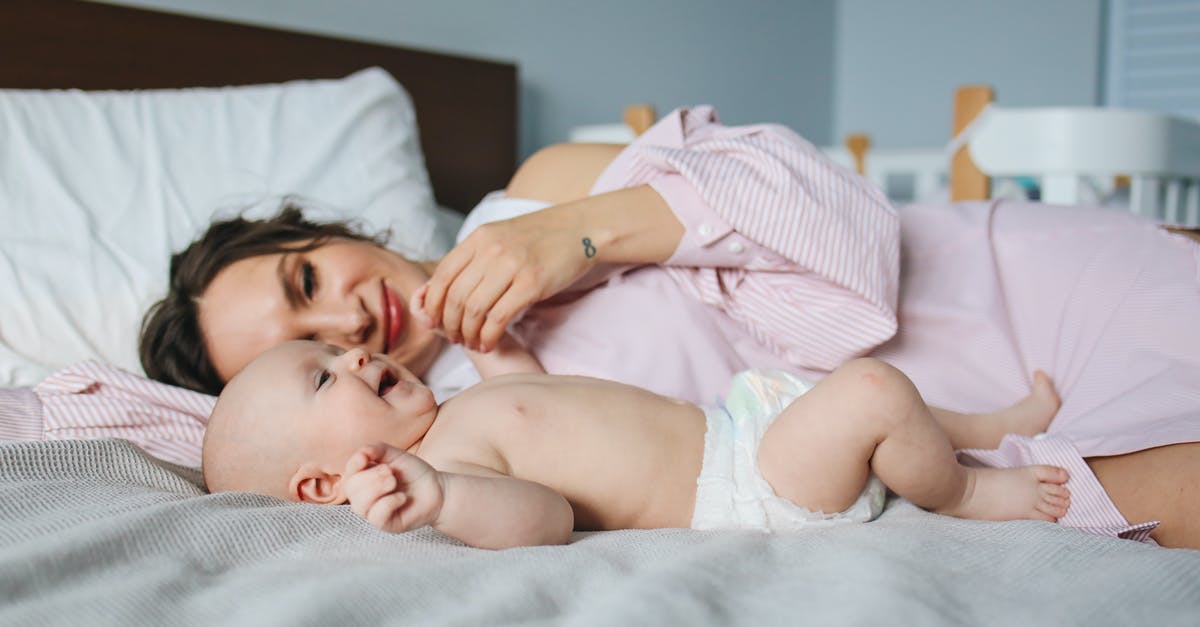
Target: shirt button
[[704, 230], [736, 248]]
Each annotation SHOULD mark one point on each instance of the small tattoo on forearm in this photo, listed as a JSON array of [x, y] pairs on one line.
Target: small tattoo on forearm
[[589, 251]]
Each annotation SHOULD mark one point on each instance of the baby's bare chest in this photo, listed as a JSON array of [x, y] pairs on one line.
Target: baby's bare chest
[[564, 427]]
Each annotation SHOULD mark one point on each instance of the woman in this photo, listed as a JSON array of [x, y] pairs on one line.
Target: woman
[[229, 300], [698, 251]]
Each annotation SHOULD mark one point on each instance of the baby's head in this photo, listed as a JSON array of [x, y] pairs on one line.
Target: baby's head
[[287, 423]]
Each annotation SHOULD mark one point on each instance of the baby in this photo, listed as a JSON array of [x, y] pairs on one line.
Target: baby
[[526, 458]]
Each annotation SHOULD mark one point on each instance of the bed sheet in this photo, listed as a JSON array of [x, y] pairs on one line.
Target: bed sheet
[[99, 532], [99, 528]]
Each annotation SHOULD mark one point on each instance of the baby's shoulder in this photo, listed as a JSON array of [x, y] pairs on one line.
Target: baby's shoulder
[[491, 414], [457, 439], [469, 426]]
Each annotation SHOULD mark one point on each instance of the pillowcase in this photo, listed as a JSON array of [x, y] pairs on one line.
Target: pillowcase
[[98, 189]]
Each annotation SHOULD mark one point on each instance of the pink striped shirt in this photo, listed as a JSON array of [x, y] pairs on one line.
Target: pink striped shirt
[[803, 254], [91, 400], [787, 261]]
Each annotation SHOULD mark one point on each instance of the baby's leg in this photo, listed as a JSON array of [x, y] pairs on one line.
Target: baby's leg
[[867, 416], [1030, 416]]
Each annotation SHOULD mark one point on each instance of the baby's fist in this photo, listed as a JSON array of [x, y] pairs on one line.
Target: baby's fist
[[392, 489]]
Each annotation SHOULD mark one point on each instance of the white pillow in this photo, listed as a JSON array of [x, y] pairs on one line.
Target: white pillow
[[97, 189]]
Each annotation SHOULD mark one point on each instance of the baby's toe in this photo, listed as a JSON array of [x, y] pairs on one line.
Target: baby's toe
[[1051, 474], [1055, 490], [1053, 511]]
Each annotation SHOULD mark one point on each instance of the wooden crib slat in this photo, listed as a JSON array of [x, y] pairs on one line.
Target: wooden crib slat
[[968, 182], [858, 144], [639, 117]]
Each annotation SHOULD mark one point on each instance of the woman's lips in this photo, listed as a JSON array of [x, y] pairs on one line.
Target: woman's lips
[[393, 319]]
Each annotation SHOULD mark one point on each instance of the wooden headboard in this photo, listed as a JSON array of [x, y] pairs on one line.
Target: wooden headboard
[[466, 108]]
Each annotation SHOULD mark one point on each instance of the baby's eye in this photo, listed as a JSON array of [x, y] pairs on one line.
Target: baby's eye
[[324, 376], [308, 280]]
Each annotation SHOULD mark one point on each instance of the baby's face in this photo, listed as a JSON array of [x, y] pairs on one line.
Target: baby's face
[[335, 400]]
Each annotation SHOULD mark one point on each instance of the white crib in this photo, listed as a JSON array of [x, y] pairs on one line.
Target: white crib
[[1141, 161]]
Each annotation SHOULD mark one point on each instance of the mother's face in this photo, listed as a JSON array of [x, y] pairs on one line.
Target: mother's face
[[347, 293]]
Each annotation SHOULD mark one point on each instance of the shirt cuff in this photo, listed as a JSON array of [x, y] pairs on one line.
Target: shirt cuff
[[708, 240], [1091, 511], [20, 415]]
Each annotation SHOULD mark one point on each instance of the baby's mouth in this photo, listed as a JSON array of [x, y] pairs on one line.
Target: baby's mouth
[[387, 382]]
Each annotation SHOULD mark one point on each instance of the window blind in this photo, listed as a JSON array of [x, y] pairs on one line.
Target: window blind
[[1153, 59]]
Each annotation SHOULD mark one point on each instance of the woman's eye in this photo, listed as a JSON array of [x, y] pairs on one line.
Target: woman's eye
[[308, 280]]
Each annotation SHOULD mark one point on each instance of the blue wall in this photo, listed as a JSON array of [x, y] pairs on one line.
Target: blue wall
[[582, 61], [823, 67], [898, 63]]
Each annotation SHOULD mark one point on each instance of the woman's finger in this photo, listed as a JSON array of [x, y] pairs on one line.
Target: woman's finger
[[446, 272], [514, 299], [480, 305], [456, 299]]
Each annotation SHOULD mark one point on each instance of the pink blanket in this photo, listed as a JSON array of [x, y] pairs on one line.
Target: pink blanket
[[1105, 302]]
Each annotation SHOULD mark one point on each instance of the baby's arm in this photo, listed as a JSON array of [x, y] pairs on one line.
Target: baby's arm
[[397, 492], [509, 357]]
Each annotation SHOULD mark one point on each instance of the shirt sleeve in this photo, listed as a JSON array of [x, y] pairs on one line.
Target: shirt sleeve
[[802, 252], [91, 400]]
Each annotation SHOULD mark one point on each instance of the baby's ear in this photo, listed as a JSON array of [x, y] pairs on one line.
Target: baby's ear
[[312, 484]]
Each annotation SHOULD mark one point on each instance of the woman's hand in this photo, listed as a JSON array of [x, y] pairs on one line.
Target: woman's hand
[[502, 268], [392, 489]]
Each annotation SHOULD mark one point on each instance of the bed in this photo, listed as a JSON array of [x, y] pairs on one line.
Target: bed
[[97, 530]]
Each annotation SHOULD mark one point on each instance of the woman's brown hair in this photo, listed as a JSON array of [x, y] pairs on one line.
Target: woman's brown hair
[[171, 343]]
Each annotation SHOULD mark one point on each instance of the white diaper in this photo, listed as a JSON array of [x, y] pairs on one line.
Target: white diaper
[[731, 493]]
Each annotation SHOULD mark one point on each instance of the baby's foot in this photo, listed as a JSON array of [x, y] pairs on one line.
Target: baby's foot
[[1032, 414], [1025, 493]]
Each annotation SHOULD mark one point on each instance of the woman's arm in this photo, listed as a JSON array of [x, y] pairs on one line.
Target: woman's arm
[[639, 227], [561, 172], [503, 267], [802, 252]]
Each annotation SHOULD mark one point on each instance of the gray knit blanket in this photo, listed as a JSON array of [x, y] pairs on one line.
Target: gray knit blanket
[[98, 533]]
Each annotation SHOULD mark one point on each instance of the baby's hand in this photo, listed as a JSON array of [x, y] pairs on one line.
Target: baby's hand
[[392, 489], [416, 308]]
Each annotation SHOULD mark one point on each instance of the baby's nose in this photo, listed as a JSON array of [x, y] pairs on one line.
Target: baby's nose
[[355, 358]]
